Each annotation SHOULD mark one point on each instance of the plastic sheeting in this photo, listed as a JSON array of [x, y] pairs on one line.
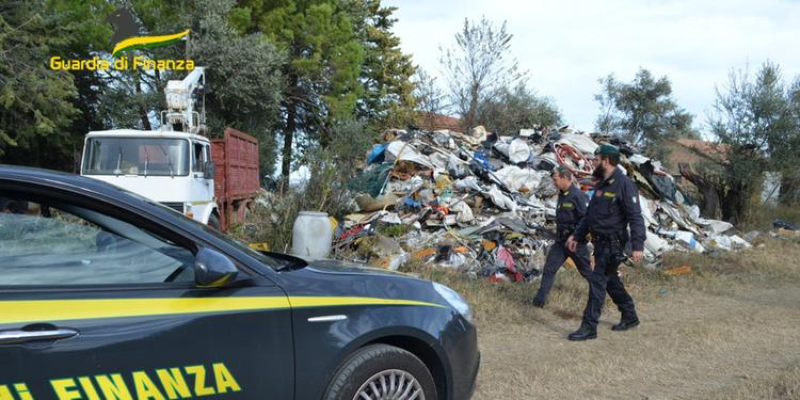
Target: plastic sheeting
[[499, 199], [582, 143], [516, 178], [406, 152]]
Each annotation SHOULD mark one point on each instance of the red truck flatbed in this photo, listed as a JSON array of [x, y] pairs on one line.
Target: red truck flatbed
[[236, 182]]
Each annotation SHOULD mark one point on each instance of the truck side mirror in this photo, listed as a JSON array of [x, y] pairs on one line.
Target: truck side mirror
[[209, 170], [213, 269]]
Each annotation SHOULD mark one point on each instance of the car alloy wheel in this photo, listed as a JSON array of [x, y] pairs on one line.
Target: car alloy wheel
[[391, 384]]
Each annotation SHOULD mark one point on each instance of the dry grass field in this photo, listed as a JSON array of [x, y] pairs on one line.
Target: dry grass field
[[728, 330]]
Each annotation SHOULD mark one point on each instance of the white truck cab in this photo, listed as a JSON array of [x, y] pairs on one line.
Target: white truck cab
[[172, 168], [172, 165]]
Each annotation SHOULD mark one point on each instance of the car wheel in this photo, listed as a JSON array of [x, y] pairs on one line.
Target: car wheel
[[382, 372], [213, 221]]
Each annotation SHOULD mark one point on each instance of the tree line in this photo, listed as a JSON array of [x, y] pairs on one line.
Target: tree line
[[311, 75]]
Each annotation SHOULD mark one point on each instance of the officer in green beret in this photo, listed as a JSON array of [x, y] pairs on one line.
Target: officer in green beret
[[613, 208]]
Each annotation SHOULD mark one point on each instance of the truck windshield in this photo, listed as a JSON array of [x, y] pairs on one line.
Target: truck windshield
[[136, 156]]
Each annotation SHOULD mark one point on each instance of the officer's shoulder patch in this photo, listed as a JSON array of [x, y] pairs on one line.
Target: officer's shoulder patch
[[634, 199]]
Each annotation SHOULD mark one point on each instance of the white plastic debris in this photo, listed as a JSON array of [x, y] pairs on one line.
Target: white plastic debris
[[391, 218], [464, 213], [518, 151], [501, 200], [723, 242], [406, 152], [516, 178], [687, 239], [656, 245], [469, 182], [646, 213], [582, 143]]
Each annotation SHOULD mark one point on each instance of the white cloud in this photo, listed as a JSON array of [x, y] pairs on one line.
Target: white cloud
[[567, 45]]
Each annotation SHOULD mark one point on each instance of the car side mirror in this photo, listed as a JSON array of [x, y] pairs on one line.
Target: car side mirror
[[209, 170], [213, 269]]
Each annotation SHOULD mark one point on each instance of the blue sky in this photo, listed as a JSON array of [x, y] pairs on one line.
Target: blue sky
[[567, 45]]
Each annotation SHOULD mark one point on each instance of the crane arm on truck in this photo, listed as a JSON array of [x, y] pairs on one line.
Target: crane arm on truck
[[186, 103]]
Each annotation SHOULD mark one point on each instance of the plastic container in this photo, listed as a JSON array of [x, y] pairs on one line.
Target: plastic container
[[312, 235]]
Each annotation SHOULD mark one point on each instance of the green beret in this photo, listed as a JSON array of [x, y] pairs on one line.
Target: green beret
[[606, 150]]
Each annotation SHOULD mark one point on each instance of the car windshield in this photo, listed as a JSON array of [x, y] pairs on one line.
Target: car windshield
[[136, 156]]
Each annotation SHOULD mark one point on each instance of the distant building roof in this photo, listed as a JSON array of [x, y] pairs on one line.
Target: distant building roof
[[432, 122], [692, 151]]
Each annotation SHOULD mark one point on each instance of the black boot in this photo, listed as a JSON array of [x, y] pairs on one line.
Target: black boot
[[583, 333], [538, 301], [625, 324]]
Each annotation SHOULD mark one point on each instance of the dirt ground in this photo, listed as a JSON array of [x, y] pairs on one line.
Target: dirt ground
[[731, 329]]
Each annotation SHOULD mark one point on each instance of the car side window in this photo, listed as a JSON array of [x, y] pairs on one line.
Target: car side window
[[56, 243]]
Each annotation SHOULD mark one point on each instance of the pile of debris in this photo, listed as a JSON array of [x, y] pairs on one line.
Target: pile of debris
[[486, 204]]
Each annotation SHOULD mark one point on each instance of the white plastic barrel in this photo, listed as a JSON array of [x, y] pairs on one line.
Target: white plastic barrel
[[312, 235]]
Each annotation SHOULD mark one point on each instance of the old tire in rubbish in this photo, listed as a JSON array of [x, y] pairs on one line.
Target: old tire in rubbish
[[213, 221], [382, 372]]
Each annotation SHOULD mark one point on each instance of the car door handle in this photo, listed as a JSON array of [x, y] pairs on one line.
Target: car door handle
[[22, 336]]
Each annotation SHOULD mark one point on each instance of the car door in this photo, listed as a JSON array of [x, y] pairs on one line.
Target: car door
[[93, 306]]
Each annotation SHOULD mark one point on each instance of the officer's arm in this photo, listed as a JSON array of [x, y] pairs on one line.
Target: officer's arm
[[581, 230], [580, 205], [633, 214]]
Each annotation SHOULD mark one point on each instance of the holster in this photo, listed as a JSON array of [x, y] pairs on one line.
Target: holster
[[615, 242]]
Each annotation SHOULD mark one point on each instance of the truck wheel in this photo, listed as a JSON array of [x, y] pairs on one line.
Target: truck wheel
[[382, 372], [213, 221]]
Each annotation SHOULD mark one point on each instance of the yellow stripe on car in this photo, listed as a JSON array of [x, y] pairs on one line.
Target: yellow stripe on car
[[30, 311]]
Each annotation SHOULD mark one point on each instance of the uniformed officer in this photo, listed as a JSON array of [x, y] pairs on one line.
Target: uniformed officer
[[613, 207], [570, 210]]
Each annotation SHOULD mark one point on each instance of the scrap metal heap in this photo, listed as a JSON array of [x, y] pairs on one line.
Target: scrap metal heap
[[485, 204]]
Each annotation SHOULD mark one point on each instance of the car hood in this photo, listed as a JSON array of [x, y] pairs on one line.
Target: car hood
[[327, 266], [336, 278]]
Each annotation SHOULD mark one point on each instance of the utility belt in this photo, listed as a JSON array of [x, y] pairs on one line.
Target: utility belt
[[617, 239], [564, 231]]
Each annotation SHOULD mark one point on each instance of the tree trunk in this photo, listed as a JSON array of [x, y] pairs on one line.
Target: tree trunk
[[469, 119], [709, 190], [790, 189], [288, 134], [142, 111]]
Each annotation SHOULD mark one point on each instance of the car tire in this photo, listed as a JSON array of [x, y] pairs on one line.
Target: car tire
[[213, 221], [365, 370]]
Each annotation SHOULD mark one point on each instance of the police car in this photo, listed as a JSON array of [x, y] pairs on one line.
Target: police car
[[106, 295]]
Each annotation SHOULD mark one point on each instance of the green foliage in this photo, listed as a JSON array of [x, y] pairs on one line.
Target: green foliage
[[244, 75], [478, 67], [329, 170], [322, 69], [754, 117], [343, 63], [394, 230], [35, 101], [642, 111], [510, 110], [386, 72]]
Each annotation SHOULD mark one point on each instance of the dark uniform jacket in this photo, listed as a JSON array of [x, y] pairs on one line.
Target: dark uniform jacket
[[614, 205], [570, 209]]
